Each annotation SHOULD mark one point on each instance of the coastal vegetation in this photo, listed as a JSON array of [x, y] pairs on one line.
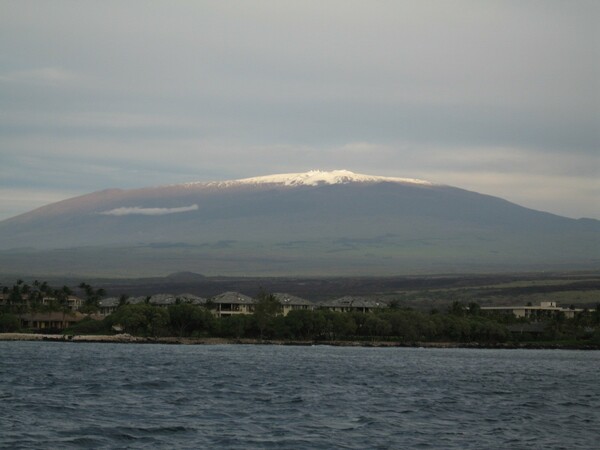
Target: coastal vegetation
[[459, 322], [40, 296]]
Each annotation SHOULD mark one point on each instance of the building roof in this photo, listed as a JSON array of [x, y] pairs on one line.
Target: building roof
[[109, 302], [529, 308], [157, 299], [162, 299], [288, 299], [350, 301], [553, 308], [136, 300], [233, 298], [191, 298], [51, 298]]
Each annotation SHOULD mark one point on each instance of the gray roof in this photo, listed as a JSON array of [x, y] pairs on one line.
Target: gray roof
[[349, 301], [191, 298], [108, 302], [162, 299], [233, 298], [136, 300], [288, 299], [529, 308], [157, 299]]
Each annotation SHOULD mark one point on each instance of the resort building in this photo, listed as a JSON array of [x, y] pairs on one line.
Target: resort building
[[191, 299], [166, 300], [108, 305], [545, 310], [111, 304], [137, 300], [350, 303], [162, 300], [232, 303], [292, 303], [73, 302], [50, 320]]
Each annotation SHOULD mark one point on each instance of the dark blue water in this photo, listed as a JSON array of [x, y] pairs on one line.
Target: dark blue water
[[66, 395]]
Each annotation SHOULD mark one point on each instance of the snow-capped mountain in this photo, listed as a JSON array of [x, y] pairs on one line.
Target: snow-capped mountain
[[312, 178], [335, 222]]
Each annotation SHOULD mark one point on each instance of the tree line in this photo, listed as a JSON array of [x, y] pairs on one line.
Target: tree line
[[400, 325], [459, 323]]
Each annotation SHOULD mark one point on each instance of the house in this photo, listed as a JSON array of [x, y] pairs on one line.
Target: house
[[111, 304], [19, 300], [233, 303], [191, 299], [292, 303], [138, 300], [72, 301], [50, 320], [162, 300], [350, 303], [165, 300], [545, 310], [108, 305]]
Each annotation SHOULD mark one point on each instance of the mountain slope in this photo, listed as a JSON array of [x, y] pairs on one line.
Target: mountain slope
[[338, 222]]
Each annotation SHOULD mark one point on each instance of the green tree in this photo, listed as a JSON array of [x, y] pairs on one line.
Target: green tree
[[185, 319], [341, 325], [474, 308], [9, 323], [89, 326], [394, 304], [404, 325], [142, 319], [92, 297], [300, 324], [267, 307], [457, 308], [237, 325], [376, 326], [123, 299]]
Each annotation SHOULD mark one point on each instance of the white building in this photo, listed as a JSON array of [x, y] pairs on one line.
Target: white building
[[545, 310]]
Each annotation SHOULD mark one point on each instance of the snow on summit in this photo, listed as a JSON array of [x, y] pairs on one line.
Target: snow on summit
[[313, 178], [317, 177]]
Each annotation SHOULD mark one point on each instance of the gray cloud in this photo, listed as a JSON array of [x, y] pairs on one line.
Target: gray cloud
[[136, 210], [103, 95]]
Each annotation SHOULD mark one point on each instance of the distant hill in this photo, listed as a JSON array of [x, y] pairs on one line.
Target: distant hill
[[184, 276], [314, 223]]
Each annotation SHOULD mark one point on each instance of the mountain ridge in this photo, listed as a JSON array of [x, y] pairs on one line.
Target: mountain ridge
[[306, 223]]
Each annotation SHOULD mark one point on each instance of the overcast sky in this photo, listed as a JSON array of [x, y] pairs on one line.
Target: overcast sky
[[498, 97]]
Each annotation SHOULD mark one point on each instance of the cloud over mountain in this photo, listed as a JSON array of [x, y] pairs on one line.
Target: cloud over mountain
[[136, 210]]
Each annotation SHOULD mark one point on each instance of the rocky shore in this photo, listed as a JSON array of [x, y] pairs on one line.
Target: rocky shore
[[123, 338], [129, 339]]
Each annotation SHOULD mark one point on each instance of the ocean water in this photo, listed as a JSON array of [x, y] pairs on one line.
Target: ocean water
[[68, 395]]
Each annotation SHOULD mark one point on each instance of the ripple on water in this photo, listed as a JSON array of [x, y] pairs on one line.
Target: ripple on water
[[154, 396]]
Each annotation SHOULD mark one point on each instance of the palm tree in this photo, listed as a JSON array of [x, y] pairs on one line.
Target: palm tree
[[92, 297], [63, 301]]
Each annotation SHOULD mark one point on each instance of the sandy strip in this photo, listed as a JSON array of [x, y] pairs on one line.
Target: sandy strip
[[128, 339]]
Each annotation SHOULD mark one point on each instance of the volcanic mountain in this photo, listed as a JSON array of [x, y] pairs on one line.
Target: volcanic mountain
[[313, 223]]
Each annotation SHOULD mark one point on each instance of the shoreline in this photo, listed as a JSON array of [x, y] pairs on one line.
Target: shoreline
[[129, 339]]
